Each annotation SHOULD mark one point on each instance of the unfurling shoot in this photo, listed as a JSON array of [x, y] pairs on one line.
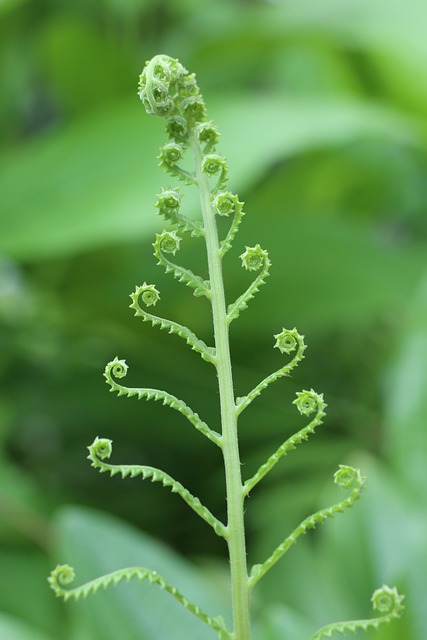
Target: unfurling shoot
[[169, 91]]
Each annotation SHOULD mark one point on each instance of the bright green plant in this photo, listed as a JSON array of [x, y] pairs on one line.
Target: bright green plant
[[167, 90]]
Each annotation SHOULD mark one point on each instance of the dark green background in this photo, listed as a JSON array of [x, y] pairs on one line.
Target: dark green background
[[322, 106]]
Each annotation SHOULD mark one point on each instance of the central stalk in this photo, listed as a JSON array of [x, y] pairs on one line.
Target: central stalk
[[235, 496]]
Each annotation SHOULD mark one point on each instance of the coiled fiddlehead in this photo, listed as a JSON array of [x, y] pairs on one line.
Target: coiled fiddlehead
[[63, 575], [171, 154], [194, 108], [308, 401], [254, 258], [158, 85], [149, 294], [207, 134], [169, 202], [386, 601], [176, 128], [224, 203], [288, 340], [101, 450], [167, 242], [346, 478]]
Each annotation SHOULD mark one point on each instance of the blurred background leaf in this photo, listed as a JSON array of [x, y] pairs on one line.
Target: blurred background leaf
[[322, 109], [16, 630]]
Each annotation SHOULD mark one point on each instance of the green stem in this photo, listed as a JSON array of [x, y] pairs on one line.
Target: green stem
[[235, 496]]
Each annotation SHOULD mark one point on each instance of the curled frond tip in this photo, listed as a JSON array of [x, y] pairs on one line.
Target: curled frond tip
[[347, 477], [225, 203], [387, 600], [117, 368], [288, 340], [168, 202], [100, 448], [148, 294], [167, 242], [60, 577], [254, 258], [170, 154], [309, 401]]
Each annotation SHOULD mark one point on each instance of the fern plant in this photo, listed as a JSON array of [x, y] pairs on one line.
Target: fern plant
[[167, 90]]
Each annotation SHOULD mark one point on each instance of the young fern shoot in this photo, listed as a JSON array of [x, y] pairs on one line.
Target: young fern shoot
[[167, 90]]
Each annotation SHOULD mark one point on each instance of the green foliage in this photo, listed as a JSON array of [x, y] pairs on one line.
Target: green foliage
[[334, 183], [13, 629], [166, 89]]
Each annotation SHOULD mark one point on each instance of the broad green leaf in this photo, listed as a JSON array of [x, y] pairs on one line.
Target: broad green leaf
[[131, 9], [396, 69], [9, 5], [97, 72], [21, 506], [416, 588], [393, 521], [406, 399], [24, 592], [95, 544], [13, 629], [82, 187], [94, 184], [265, 39], [296, 125], [334, 270], [380, 25], [278, 622]]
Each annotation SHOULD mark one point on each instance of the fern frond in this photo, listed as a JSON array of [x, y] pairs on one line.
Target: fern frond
[[214, 164], [253, 258], [386, 601], [186, 224], [290, 444], [207, 353], [118, 368], [345, 477], [224, 204], [63, 575], [208, 135], [243, 402], [170, 155], [201, 287], [101, 449], [169, 203]]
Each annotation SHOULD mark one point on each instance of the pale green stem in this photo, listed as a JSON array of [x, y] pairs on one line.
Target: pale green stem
[[235, 497]]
